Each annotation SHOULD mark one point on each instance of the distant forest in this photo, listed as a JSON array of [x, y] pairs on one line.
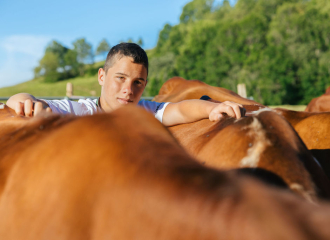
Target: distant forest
[[278, 48]]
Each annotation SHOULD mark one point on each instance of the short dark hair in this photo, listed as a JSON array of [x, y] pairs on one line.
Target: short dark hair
[[128, 50]]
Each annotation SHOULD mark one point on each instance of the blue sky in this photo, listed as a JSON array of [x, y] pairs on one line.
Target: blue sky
[[26, 27]]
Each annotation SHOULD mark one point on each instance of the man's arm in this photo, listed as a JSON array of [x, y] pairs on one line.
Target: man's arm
[[27, 105], [194, 110]]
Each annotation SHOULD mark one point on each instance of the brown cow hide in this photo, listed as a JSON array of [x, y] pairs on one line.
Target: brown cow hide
[[123, 176], [264, 140]]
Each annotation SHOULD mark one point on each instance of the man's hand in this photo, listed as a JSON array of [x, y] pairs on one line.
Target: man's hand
[[30, 108], [27, 105], [232, 109], [193, 110]]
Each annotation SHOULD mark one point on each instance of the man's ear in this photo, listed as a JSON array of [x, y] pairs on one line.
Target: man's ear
[[146, 83], [101, 76]]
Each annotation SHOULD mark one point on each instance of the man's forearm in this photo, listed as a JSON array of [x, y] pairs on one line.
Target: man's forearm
[[187, 111], [193, 110]]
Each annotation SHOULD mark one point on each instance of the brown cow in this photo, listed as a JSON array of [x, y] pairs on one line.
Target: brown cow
[[123, 176], [314, 130], [264, 140], [177, 89], [320, 104]]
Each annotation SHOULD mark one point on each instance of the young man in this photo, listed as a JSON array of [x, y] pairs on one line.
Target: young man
[[123, 79]]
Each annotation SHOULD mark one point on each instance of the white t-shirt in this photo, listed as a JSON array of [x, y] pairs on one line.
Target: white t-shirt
[[89, 106]]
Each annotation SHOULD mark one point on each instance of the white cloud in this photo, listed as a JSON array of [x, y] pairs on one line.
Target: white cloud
[[19, 54], [26, 44]]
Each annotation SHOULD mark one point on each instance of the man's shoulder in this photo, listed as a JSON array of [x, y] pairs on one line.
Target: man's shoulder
[[88, 101], [148, 104], [152, 106]]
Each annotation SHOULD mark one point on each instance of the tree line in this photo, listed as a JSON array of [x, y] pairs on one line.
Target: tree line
[[60, 62], [278, 48]]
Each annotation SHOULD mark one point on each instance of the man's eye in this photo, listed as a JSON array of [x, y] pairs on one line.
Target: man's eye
[[120, 78], [138, 82]]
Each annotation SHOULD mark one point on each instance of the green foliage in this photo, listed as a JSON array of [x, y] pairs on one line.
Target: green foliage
[[84, 51], [196, 10], [60, 62], [58, 49], [278, 48], [103, 48], [161, 68], [71, 63], [50, 64], [140, 42], [163, 37]]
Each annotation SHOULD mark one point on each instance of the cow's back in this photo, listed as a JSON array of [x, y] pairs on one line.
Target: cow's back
[[264, 140], [320, 104], [123, 176], [178, 89]]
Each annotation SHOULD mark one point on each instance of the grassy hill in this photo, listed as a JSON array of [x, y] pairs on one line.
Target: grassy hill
[[82, 86]]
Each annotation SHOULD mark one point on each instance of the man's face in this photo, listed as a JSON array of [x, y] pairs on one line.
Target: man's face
[[123, 84]]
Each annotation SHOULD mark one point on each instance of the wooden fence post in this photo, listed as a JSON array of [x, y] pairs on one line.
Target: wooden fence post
[[241, 90], [69, 90]]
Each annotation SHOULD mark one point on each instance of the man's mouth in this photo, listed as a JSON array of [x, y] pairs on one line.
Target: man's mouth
[[124, 100]]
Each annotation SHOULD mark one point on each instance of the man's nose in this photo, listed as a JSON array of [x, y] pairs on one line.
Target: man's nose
[[127, 89]]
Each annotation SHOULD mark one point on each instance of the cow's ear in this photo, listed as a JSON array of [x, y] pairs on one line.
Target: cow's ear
[[101, 76]]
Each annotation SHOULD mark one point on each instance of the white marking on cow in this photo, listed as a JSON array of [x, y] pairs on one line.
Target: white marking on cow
[[300, 189], [266, 109], [2, 106], [260, 143]]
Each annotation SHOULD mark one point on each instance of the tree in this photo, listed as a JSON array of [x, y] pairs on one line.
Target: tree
[[37, 72], [161, 69], [84, 51], [196, 10], [140, 42], [58, 49], [72, 66], [163, 37], [103, 48], [49, 65]]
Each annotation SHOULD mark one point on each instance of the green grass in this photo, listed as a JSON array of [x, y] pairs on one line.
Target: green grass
[[82, 86]]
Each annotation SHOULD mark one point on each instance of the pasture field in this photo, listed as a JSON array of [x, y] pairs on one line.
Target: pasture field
[[86, 85], [82, 86]]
